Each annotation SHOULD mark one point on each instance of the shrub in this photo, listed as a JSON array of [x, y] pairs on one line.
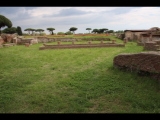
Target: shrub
[[60, 33]]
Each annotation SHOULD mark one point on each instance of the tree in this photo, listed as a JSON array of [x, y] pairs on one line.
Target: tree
[[31, 29], [95, 31], [28, 29], [73, 29], [39, 30], [60, 33], [111, 31], [68, 33], [120, 31], [99, 30], [88, 29], [51, 30], [103, 30], [10, 30], [19, 31], [4, 22]]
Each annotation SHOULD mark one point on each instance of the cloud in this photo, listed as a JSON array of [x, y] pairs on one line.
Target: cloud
[[121, 10], [14, 13], [140, 18], [8, 10], [45, 11], [71, 12], [62, 18], [96, 9]]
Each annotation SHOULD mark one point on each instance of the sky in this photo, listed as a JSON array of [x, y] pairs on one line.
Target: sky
[[63, 18]]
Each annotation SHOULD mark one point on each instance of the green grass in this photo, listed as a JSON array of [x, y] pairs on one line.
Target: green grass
[[73, 81]]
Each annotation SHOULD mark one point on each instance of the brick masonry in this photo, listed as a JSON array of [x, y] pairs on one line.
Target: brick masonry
[[46, 39], [147, 63], [150, 45], [89, 45]]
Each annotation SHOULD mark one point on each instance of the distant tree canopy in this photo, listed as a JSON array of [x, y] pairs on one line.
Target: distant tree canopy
[[39, 30], [28, 29], [103, 30], [88, 29], [119, 31], [95, 31], [10, 30], [4, 22], [51, 30], [110, 31], [19, 31], [60, 33], [73, 29], [31, 29], [68, 33]]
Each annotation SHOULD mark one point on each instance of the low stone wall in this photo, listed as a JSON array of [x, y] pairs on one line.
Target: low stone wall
[[151, 46], [9, 45], [89, 45], [46, 40], [21, 41], [157, 42], [146, 63], [140, 44], [1, 41], [91, 34], [95, 39], [120, 36]]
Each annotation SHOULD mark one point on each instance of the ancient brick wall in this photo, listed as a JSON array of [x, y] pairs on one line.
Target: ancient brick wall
[[23, 41], [151, 46], [129, 35], [140, 43], [46, 40], [89, 45], [156, 37], [144, 62], [1, 41]]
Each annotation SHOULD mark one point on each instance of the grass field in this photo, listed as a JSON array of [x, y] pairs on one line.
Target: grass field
[[73, 81]]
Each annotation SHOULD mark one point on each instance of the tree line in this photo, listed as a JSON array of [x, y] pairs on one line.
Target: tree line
[[4, 21]]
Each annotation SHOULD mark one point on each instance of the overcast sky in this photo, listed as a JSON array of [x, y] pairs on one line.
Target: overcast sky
[[63, 18]]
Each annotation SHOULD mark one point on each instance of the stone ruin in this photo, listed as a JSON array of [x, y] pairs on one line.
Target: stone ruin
[[150, 45], [120, 36], [7, 40], [21, 40], [89, 45], [1, 42], [46, 39], [144, 63]]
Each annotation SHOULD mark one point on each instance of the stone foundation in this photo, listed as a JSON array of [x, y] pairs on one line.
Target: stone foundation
[[46, 40], [9, 45], [140, 44], [89, 45], [151, 46], [23, 41], [144, 62], [1, 41]]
